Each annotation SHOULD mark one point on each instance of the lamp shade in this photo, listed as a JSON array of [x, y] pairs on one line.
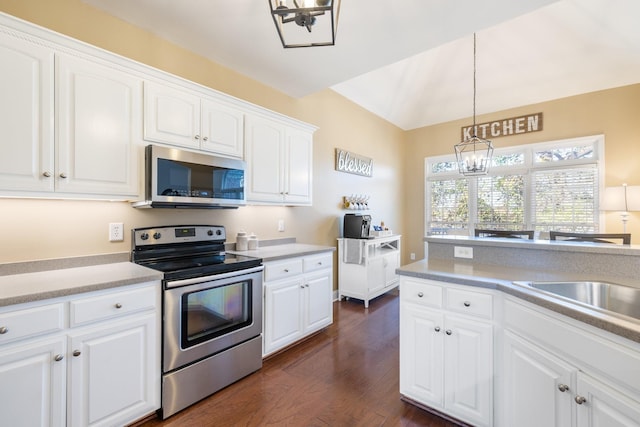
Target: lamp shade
[[614, 199], [633, 198]]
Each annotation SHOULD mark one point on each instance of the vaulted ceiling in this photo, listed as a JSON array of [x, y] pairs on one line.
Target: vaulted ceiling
[[411, 61]]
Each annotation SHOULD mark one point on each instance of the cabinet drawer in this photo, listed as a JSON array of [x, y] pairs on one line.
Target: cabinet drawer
[[421, 293], [317, 262], [110, 305], [282, 269], [30, 322], [470, 302]]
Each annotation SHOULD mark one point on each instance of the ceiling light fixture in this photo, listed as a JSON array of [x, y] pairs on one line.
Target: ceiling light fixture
[[473, 155], [321, 16]]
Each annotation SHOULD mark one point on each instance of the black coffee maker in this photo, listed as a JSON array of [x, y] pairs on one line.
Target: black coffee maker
[[356, 226]]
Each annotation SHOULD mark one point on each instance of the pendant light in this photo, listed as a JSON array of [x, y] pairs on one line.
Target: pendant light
[[316, 22], [473, 155]]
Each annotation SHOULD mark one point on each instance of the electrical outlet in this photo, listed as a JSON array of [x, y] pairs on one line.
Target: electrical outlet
[[281, 225], [116, 232], [463, 252], [412, 256]]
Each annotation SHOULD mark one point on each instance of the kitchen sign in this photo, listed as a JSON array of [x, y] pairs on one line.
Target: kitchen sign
[[505, 127], [353, 163]]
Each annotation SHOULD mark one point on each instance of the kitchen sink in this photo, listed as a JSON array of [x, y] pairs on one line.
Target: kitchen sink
[[619, 299]]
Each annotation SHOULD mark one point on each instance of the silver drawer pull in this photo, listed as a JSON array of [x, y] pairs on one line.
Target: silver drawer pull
[[420, 294], [76, 353], [467, 304], [448, 332], [286, 270], [58, 357], [3, 330], [563, 387], [63, 175], [118, 305], [46, 174], [580, 399], [437, 329]]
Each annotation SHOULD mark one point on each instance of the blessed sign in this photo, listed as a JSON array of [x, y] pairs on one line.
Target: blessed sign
[[353, 163], [504, 127]]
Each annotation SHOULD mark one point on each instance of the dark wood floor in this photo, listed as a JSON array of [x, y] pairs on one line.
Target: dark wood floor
[[347, 375]]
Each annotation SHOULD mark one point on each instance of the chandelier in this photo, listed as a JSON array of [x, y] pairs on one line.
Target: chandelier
[[473, 155], [316, 22]]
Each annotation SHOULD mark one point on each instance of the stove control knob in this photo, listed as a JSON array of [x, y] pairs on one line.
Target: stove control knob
[[144, 236], [210, 232], [218, 232], [157, 235]]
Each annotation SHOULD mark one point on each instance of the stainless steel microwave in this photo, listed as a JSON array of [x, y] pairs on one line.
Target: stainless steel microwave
[[177, 178]]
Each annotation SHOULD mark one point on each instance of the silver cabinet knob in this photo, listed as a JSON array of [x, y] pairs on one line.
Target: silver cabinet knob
[[46, 174], [301, 286], [118, 305], [63, 175], [580, 399], [206, 138], [437, 329], [563, 387], [420, 294], [58, 357], [3, 330], [467, 304], [197, 137], [286, 270], [76, 353], [448, 332]]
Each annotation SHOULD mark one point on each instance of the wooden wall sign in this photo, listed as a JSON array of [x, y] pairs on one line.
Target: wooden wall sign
[[504, 127], [353, 163]]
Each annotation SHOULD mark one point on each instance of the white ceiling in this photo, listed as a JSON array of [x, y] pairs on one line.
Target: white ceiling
[[411, 61]]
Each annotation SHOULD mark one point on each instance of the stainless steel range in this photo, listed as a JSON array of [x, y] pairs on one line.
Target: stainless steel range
[[212, 310]]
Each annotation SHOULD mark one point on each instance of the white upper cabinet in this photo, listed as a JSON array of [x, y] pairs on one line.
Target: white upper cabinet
[[26, 116], [280, 162], [98, 127], [183, 118]]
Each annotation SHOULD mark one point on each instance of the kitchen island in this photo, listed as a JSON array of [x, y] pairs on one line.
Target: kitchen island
[[507, 354]]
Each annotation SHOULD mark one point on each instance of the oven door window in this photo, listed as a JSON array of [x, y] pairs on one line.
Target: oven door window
[[214, 312]]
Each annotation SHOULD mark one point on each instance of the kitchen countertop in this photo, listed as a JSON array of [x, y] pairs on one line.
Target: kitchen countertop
[[41, 285], [282, 251], [500, 278]]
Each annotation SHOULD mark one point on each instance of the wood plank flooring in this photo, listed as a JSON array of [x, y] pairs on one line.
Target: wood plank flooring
[[347, 375]]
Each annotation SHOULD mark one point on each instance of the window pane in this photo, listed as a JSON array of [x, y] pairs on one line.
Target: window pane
[[565, 200], [501, 202], [513, 159], [444, 167], [565, 153], [449, 204]]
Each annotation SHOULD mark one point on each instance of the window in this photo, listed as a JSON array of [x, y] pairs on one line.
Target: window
[[542, 187]]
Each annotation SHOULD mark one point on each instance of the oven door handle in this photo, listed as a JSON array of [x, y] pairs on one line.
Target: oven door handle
[[194, 280]]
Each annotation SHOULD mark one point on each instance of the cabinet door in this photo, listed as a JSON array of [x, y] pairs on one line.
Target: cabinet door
[[171, 116], [282, 313], [33, 384], [422, 355], [114, 373], [318, 295], [99, 116], [263, 153], [298, 167], [222, 129], [469, 370], [376, 274], [391, 263], [26, 116], [538, 387], [605, 406]]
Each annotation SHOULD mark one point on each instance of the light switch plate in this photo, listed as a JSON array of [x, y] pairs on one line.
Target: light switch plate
[[463, 252]]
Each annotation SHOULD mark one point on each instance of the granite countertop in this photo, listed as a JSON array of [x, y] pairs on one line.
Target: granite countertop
[[282, 251], [41, 285], [501, 278]]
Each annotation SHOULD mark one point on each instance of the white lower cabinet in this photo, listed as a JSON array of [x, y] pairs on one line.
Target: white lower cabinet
[[558, 374], [446, 358], [102, 370], [297, 299]]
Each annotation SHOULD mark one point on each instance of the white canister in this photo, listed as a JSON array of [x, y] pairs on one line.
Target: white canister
[[242, 241], [253, 242]]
